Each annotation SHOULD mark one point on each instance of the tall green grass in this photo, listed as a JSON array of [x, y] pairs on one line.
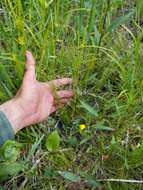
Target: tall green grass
[[99, 44]]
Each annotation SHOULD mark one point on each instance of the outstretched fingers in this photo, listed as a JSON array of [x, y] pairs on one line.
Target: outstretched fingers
[[63, 97], [64, 94], [61, 101], [60, 82], [55, 107]]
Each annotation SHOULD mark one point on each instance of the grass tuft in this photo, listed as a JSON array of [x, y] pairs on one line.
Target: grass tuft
[[99, 44]]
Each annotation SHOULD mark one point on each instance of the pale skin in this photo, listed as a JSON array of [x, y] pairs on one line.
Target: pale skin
[[35, 101]]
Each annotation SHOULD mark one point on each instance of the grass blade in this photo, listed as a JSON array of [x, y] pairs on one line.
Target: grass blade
[[70, 176], [119, 21], [88, 108]]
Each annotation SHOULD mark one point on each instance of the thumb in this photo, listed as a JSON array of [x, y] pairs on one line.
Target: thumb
[[30, 67]]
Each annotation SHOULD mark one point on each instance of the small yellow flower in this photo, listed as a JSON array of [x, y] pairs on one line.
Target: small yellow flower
[[82, 126]]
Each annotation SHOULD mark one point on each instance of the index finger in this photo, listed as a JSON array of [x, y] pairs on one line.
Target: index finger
[[60, 82]]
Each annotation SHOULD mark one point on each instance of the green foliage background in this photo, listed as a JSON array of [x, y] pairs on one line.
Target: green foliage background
[[99, 44]]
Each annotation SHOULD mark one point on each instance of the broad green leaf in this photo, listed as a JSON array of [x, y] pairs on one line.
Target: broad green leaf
[[103, 128], [1, 188], [49, 172], [120, 20], [72, 141], [10, 169], [53, 141], [10, 150], [88, 108], [97, 35], [70, 176], [90, 180]]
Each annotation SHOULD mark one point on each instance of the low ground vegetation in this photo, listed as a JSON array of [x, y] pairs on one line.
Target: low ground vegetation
[[99, 135]]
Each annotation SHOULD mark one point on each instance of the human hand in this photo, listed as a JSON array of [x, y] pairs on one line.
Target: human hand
[[35, 100]]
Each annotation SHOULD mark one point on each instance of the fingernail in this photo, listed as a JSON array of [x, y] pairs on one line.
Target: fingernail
[[28, 56]]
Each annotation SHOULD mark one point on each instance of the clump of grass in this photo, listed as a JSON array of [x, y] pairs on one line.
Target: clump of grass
[[99, 45]]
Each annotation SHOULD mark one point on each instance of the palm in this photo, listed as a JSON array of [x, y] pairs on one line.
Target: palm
[[36, 98]]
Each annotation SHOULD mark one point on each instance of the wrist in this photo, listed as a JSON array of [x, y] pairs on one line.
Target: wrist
[[13, 114]]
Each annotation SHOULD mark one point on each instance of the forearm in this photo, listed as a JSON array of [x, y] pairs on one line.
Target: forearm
[[13, 114]]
